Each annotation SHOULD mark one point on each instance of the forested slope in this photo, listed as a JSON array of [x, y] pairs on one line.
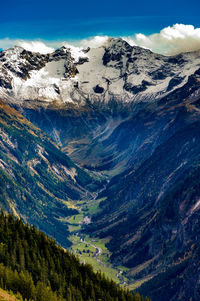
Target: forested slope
[[33, 265]]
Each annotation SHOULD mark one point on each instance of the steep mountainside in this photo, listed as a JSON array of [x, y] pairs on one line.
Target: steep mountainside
[[37, 179], [152, 211], [33, 265], [81, 97], [122, 74], [129, 115]]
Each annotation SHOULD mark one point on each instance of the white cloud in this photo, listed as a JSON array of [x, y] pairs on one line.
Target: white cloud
[[169, 41], [35, 46], [50, 46], [94, 42], [6, 43]]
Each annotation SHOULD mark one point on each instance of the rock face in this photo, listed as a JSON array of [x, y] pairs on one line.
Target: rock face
[[36, 178], [19, 62], [152, 209], [115, 71], [81, 97], [133, 116]]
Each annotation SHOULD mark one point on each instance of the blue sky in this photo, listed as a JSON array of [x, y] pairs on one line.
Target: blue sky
[[50, 20], [167, 27]]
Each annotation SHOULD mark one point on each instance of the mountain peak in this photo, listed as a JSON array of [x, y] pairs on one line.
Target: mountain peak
[[119, 43], [116, 70]]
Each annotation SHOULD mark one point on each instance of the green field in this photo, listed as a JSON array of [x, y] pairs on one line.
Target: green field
[[89, 249], [93, 250], [85, 248]]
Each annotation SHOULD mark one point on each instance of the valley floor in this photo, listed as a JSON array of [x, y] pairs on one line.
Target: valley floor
[[93, 250]]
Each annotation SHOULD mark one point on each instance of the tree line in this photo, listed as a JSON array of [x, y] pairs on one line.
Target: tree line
[[33, 265]]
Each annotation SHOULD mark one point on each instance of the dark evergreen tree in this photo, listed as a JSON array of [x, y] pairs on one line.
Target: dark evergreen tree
[[33, 265]]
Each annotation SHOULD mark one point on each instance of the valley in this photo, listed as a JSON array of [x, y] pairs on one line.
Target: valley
[[102, 153], [92, 250]]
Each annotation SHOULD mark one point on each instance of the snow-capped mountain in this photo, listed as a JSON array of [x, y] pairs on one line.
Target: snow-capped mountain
[[115, 70], [130, 116]]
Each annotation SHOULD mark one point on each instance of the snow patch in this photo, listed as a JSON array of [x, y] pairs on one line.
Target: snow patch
[[76, 52], [130, 75]]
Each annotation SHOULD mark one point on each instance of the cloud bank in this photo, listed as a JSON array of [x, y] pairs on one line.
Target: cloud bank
[[94, 42], [49, 46], [169, 41], [36, 46]]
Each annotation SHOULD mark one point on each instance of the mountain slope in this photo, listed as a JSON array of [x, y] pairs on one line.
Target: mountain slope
[[122, 74], [32, 264], [151, 213], [5, 296], [133, 117], [37, 179], [80, 98]]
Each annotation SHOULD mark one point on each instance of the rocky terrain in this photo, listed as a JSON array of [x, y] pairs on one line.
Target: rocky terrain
[[152, 210], [132, 117], [37, 179], [114, 72]]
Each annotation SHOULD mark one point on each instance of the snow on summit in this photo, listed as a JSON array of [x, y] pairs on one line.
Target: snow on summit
[[113, 70]]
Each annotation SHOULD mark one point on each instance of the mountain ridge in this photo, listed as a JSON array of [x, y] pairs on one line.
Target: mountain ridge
[[37, 179], [131, 117], [123, 73]]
